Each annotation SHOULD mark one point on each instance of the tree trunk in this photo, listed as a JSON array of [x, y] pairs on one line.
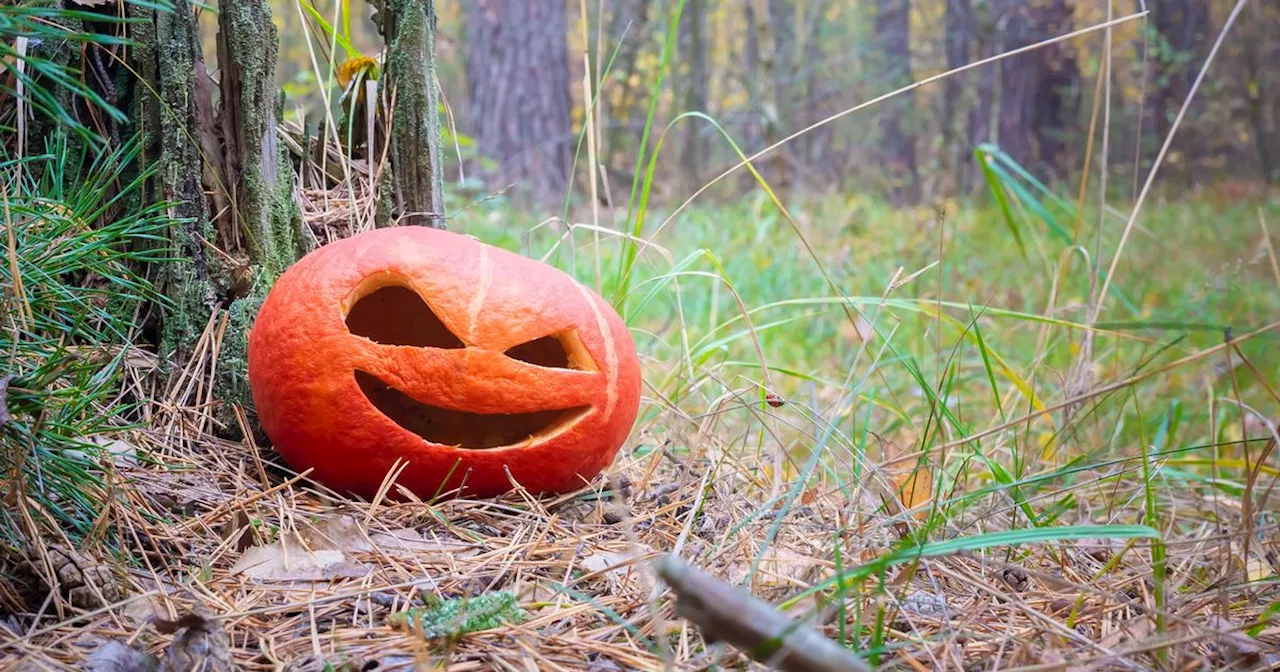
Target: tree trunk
[[897, 115], [628, 27], [958, 49], [518, 75], [782, 21], [195, 282], [417, 183], [753, 134], [254, 165], [814, 143], [1039, 90], [253, 157], [1257, 51], [693, 153], [1183, 27], [981, 125]]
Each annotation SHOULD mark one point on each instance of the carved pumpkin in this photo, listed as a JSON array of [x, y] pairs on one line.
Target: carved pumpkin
[[477, 366]]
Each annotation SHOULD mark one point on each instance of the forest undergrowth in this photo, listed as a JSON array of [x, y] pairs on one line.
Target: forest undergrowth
[[1007, 432]]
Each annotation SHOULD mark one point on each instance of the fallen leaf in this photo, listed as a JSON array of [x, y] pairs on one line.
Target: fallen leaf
[[116, 656], [290, 560], [239, 528], [1135, 630], [344, 533], [780, 566], [619, 568], [123, 454], [922, 603]]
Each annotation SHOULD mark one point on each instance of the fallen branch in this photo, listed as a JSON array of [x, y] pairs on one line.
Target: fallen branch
[[725, 613]]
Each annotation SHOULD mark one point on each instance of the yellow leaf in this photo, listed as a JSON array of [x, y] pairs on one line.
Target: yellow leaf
[[354, 67]]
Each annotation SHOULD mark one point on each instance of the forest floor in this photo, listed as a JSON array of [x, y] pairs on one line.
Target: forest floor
[[1136, 531]]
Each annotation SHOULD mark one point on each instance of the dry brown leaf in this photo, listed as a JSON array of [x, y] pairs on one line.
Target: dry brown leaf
[[143, 610], [290, 560], [859, 331], [621, 568], [122, 453], [914, 488], [345, 533], [1135, 630], [780, 566]]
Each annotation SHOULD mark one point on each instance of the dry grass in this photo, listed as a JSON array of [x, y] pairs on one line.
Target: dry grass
[[187, 507]]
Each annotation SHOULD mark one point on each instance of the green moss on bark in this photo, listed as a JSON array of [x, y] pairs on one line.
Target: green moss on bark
[[265, 208], [267, 213], [409, 28], [191, 281]]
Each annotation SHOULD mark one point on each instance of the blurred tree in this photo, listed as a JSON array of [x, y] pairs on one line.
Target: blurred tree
[[1181, 44], [959, 51], [1260, 47], [753, 133], [693, 152], [892, 29], [782, 67], [518, 76], [1039, 90]]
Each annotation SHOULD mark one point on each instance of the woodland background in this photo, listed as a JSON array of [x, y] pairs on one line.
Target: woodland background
[[511, 74]]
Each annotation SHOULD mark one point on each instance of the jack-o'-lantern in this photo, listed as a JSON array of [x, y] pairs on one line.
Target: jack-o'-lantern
[[476, 367]]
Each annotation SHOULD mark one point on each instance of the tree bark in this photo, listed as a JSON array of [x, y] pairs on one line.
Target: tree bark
[[693, 152], [518, 75], [897, 115], [753, 134], [254, 165], [194, 282], [782, 22], [1183, 26], [814, 143], [986, 36], [959, 50], [417, 181], [1039, 90], [265, 209], [629, 27], [1257, 89]]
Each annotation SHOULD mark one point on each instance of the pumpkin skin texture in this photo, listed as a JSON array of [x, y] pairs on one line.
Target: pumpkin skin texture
[[466, 361]]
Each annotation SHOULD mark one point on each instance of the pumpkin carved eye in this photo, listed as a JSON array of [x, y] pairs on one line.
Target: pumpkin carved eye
[[396, 315], [556, 351]]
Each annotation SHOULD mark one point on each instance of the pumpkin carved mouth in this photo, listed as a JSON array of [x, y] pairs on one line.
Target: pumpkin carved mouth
[[475, 431]]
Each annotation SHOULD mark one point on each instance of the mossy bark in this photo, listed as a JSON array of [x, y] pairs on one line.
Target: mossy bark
[[256, 164], [265, 210], [408, 27], [192, 282]]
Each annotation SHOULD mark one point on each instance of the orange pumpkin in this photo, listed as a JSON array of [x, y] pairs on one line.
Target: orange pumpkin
[[477, 366]]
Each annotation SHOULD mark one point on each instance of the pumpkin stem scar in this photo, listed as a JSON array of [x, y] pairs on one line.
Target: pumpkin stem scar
[[465, 430]]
